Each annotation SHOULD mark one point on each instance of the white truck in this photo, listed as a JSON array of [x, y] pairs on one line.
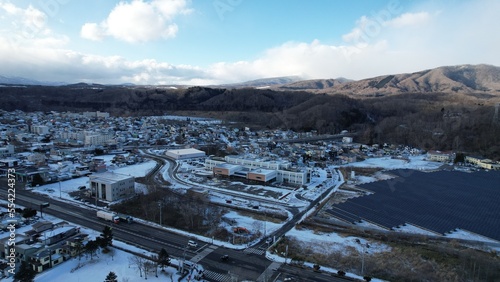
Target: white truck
[[109, 216]]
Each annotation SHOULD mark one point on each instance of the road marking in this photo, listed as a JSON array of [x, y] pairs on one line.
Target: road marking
[[204, 253], [254, 251], [216, 276], [269, 271]]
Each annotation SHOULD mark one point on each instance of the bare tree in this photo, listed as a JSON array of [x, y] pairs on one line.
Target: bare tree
[[137, 262]]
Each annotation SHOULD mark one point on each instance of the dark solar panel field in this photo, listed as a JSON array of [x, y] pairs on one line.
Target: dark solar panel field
[[439, 201]]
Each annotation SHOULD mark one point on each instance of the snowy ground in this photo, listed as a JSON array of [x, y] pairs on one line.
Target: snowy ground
[[330, 242], [98, 268], [415, 162], [334, 242]]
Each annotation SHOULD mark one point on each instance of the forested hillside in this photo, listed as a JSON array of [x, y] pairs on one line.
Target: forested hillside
[[441, 121]]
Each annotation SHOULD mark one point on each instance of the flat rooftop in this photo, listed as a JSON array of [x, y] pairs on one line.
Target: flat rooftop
[[185, 151], [109, 176]]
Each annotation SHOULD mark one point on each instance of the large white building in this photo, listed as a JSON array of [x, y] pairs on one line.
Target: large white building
[[255, 163], [40, 129], [183, 154], [438, 156], [97, 138], [112, 186], [295, 177], [258, 170]]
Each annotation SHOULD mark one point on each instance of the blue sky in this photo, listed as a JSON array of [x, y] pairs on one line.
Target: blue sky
[[201, 42]]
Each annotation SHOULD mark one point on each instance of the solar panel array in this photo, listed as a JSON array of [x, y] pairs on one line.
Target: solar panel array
[[439, 201]]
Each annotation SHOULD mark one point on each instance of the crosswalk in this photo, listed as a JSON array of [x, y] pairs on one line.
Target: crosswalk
[[214, 276], [268, 272], [254, 251], [203, 253]]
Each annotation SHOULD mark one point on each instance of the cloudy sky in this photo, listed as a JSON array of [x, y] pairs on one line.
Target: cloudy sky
[[199, 42]]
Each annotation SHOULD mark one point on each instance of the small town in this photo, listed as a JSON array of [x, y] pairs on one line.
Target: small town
[[101, 163], [249, 141]]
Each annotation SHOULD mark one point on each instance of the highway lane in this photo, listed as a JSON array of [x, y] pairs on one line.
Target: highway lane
[[244, 266], [299, 274], [136, 233]]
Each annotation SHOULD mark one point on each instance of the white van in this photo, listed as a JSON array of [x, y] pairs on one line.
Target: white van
[[192, 243]]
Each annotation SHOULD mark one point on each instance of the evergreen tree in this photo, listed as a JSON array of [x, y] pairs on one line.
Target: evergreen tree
[[29, 212], [111, 277], [37, 180], [106, 237], [459, 158], [25, 273], [79, 249], [163, 258], [91, 248]]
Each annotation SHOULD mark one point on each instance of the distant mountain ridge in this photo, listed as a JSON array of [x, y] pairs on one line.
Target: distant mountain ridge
[[26, 81], [447, 79], [262, 82], [314, 84]]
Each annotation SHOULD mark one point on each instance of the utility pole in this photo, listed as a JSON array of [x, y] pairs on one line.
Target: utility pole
[[364, 246], [160, 204], [495, 115]]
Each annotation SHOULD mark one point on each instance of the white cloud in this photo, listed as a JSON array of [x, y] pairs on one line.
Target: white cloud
[[406, 42], [22, 26], [92, 31], [409, 19], [138, 21]]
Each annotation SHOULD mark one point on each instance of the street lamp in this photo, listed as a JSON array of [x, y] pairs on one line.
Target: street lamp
[[365, 246], [160, 204], [43, 205]]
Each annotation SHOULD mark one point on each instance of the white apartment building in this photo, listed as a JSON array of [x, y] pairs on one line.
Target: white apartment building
[[73, 135], [438, 156], [96, 114], [112, 186], [96, 139], [40, 129], [7, 151], [295, 177], [253, 163]]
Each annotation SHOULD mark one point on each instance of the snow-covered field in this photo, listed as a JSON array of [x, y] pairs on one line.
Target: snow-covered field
[[98, 268], [415, 162], [325, 242], [331, 242]]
